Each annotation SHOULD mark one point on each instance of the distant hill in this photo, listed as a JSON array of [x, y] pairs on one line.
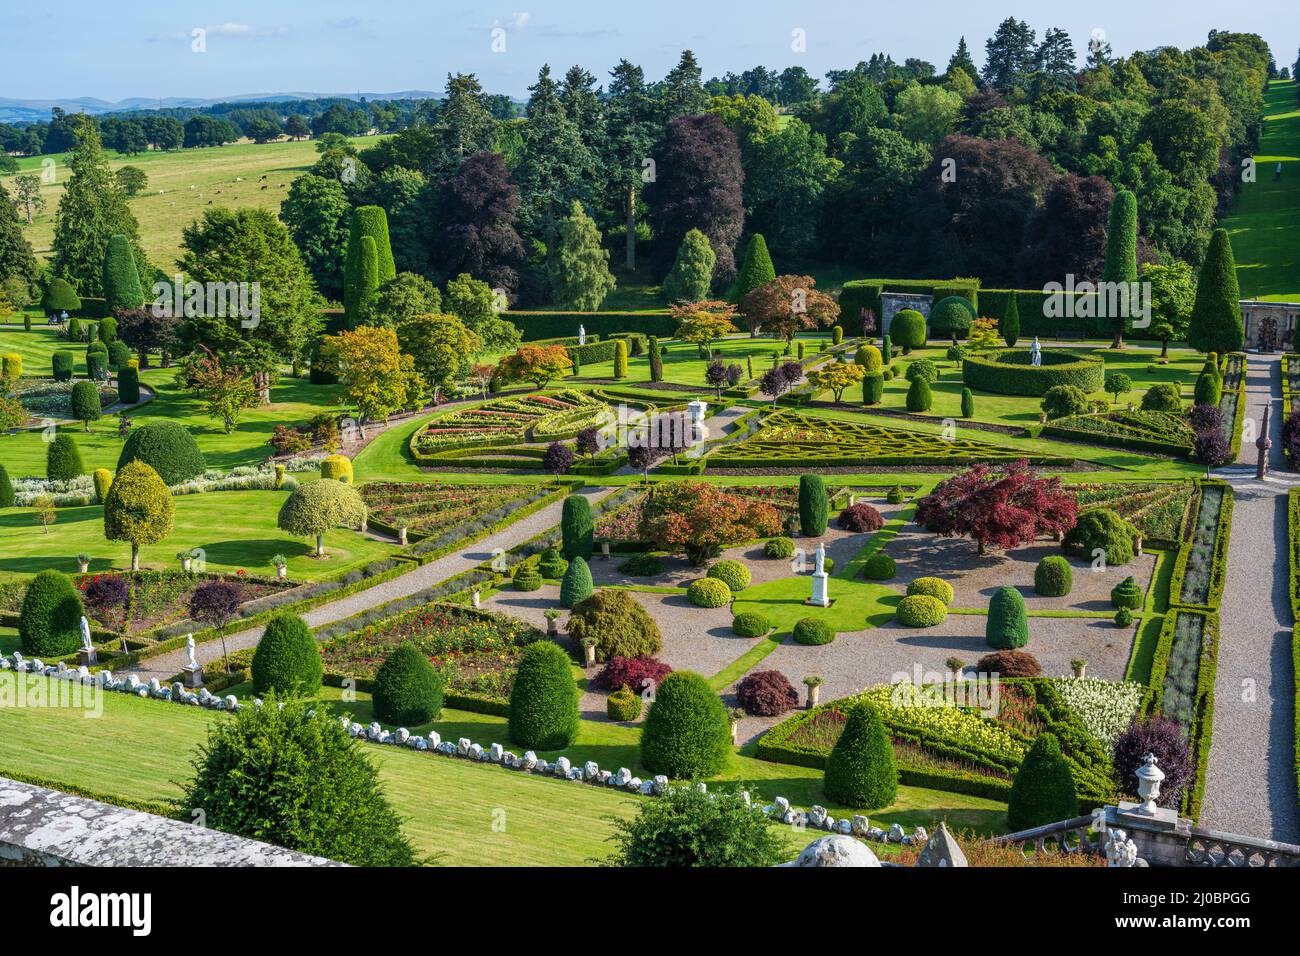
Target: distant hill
[[29, 111]]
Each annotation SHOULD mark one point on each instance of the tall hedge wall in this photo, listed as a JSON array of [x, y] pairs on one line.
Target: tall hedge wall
[[859, 293], [550, 325]]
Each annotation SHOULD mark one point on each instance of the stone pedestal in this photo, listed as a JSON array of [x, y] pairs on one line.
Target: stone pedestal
[[192, 677], [820, 591], [1161, 836], [87, 658]]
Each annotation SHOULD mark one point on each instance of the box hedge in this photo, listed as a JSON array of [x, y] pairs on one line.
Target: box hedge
[[1010, 372]]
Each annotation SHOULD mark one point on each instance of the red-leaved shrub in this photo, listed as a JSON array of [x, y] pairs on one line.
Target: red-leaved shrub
[[766, 694], [860, 517], [1164, 738], [1010, 664], [108, 591], [631, 672]]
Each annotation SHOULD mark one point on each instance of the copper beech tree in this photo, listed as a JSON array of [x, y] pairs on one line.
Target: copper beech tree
[[788, 305], [998, 509], [700, 519]]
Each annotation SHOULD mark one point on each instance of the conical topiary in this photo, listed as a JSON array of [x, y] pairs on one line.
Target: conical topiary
[[576, 584], [544, 699], [686, 734], [1215, 324], [1007, 626], [756, 268], [1010, 324], [1043, 791], [407, 690], [1127, 594], [287, 659], [861, 772], [576, 527]]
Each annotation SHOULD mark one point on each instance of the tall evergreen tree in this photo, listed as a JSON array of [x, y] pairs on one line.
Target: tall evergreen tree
[[467, 125], [1215, 325], [755, 269], [578, 264], [961, 60], [1054, 60], [582, 105], [1009, 55], [16, 258], [1011, 321], [630, 132], [122, 290], [681, 93], [369, 221], [1121, 257], [557, 167]]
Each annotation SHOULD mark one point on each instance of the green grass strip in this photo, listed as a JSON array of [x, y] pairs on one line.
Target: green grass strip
[[745, 662]]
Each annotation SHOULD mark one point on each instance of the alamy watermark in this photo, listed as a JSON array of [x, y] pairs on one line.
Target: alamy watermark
[[209, 300], [1098, 300]]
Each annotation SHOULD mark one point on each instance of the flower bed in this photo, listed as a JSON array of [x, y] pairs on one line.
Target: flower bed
[[1141, 430], [1105, 707], [158, 598], [505, 421], [427, 510], [1158, 509], [620, 525], [46, 398]]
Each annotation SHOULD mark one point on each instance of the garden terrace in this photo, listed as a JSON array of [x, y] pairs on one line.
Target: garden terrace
[[1009, 372], [548, 416]]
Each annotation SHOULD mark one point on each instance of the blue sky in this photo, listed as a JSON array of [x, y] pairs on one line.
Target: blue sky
[[69, 48]]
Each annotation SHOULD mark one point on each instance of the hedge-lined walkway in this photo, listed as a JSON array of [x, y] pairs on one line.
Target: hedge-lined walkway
[[166, 665], [1250, 785]]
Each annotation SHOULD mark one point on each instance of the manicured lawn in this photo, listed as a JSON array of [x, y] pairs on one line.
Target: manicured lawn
[[854, 604], [236, 529], [141, 750], [683, 366]]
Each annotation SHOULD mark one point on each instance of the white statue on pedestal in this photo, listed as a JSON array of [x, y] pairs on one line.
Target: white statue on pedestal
[[85, 635], [820, 559], [1035, 353], [820, 597], [582, 335], [190, 663]]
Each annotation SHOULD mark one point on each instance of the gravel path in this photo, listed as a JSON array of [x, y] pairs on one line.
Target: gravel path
[[165, 665], [1250, 782]]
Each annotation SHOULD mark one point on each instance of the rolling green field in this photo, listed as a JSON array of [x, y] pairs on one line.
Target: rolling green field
[[1264, 224]]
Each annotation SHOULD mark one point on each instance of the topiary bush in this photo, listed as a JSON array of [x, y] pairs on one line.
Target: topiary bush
[[576, 528], [779, 548], [1010, 664], [166, 447], [119, 354], [1061, 401], [552, 564], [576, 586], [62, 363], [860, 517], [544, 699], [750, 624], [686, 734], [1163, 397], [85, 403], [935, 587], [1127, 594], [638, 673], [407, 689], [623, 705], [1123, 617], [814, 506], [642, 566], [708, 592], [923, 369], [873, 389], [766, 694], [62, 459], [287, 659], [861, 771], [1043, 790], [967, 403], [6, 489], [1007, 625], [879, 567], [907, 330], [868, 356], [49, 622], [920, 610], [919, 397], [1101, 529], [128, 385], [895, 496], [1208, 389], [96, 361], [316, 507], [103, 480], [336, 468], [527, 578], [731, 573], [618, 624], [1053, 577], [952, 316], [813, 631]]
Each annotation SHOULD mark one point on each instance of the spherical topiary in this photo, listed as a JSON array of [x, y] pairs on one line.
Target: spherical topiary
[[814, 505], [1061, 401], [544, 699], [576, 585], [935, 587], [750, 624], [317, 507], [527, 578], [576, 527], [879, 567], [49, 623], [779, 548], [552, 564], [1043, 791], [1162, 397], [407, 690], [732, 573], [1101, 529], [1007, 626], [103, 480], [336, 468], [907, 330], [708, 592], [766, 694], [861, 771], [287, 659], [1127, 594], [920, 610], [1010, 664], [868, 356], [623, 705], [6, 489], [119, 354], [166, 447], [921, 368], [813, 630], [687, 734], [919, 397], [952, 316], [618, 624], [873, 389], [1053, 577], [128, 385], [1123, 617], [62, 459]]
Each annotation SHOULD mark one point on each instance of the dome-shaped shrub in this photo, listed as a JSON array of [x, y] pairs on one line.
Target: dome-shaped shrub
[[407, 690], [1162, 397], [779, 548], [879, 567], [921, 610], [895, 496], [1061, 401], [967, 403], [813, 630], [59, 297], [686, 734], [1043, 791], [49, 623], [287, 659], [119, 354], [1127, 594], [316, 507], [527, 578], [868, 356], [907, 330], [544, 699], [618, 624], [732, 573], [860, 517], [576, 585], [623, 705], [103, 480], [708, 592], [1102, 530], [1208, 389], [952, 316], [921, 368], [166, 447], [62, 459], [336, 468], [935, 587], [1007, 626], [919, 397], [552, 564], [85, 403], [750, 624], [1010, 664], [1053, 577], [766, 694], [861, 771], [1123, 617]]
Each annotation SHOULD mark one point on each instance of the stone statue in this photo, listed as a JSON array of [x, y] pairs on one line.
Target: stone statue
[[1035, 353], [1120, 850], [190, 662], [85, 635], [820, 559], [582, 335]]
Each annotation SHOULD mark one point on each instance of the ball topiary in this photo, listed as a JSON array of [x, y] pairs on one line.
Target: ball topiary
[[1010, 664], [921, 368], [336, 468], [766, 694], [879, 567], [861, 770], [576, 585], [708, 592], [868, 356], [687, 734], [49, 622], [907, 330], [1053, 577], [952, 316], [166, 447], [552, 564], [618, 624], [919, 397], [935, 587], [62, 459], [920, 610], [544, 698], [407, 690], [576, 527], [779, 548], [1163, 397], [732, 573], [527, 578], [623, 705], [1127, 594], [1123, 617], [287, 659], [813, 630], [1043, 790], [750, 624], [1007, 626], [814, 505], [1101, 529], [1061, 401]]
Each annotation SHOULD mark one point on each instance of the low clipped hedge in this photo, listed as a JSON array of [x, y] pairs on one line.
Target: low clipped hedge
[[1009, 372], [407, 690], [708, 592], [935, 587], [731, 573], [287, 659], [813, 631], [921, 610], [750, 624]]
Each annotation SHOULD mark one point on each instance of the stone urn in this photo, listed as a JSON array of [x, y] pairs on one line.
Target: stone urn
[[187, 562], [589, 655], [814, 694], [83, 566], [1079, 666], [604, 550], [282, 572], [401, 536]]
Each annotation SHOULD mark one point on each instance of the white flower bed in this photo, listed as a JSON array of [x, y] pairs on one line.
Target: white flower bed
[[1105, 707]]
